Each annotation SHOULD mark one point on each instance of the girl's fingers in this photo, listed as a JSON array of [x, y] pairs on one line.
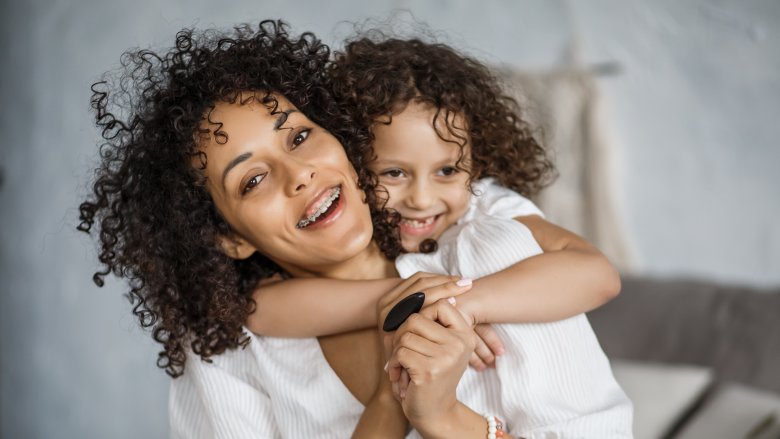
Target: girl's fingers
[[446, 290], [425, 282]]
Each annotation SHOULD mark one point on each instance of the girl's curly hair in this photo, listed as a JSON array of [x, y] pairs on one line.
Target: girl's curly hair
[[156, 223], [375, 77]]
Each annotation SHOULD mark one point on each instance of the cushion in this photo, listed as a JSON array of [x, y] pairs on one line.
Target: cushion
[[735, 411], [662, 394]]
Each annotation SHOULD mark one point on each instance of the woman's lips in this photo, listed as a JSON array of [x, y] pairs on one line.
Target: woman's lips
[[319, 206], [419, 226], [325, 211]]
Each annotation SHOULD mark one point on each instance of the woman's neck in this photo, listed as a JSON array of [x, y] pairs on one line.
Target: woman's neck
[[371, 263]]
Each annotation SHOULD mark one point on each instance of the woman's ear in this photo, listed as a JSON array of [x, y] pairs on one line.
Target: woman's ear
[[236, 247]]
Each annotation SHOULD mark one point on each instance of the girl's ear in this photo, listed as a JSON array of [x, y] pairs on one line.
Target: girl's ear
[[236, 247]]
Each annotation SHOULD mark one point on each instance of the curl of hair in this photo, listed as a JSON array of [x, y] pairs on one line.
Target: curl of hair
[[156, 224], [375, 77]]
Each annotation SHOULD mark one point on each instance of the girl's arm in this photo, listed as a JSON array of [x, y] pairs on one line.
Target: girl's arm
[[316, 306], [571, 277]]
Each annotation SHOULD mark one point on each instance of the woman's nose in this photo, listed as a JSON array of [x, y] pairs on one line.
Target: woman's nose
[[300, 176]]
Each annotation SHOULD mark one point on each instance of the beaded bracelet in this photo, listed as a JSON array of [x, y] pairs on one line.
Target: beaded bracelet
[[495, 427]]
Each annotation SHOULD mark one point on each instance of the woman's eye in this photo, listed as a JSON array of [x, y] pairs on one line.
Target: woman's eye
[[393, 173], [448, 170], [301, 137], [252, 182]]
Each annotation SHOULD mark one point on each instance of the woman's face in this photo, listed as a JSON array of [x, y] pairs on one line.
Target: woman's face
[[286, 188]]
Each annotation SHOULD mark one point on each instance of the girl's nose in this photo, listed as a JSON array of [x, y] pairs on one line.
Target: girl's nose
[[420, 196]]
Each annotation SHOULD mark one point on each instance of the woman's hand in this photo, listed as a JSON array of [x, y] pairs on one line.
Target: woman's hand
[[437, 287], [488, 347], [434, 347]]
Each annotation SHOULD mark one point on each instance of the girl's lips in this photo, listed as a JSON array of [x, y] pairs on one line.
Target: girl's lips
[[419, 226]]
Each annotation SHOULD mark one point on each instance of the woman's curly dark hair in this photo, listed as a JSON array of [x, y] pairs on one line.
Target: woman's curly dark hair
[[157, 225], [375, 77]]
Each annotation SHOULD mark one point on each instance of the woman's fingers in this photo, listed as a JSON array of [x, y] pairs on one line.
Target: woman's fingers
[[422, 326], [444, 312], [403, 384], [477, 363], [435, 287], [490, 338], [484, 356]]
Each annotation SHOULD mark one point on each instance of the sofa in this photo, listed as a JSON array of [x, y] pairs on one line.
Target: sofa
[[698, 359]]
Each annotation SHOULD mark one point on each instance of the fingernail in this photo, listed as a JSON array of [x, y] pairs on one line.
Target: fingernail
[[402, 394], [386, 364], [395, 389], [452, 301], [463, 282], [500, 351]]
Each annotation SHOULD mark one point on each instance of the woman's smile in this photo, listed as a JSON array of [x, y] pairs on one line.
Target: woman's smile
[[288, 189], [325, 209]]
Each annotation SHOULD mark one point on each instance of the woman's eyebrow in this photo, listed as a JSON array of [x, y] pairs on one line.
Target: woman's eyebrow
[[283, 118], [233, 163]]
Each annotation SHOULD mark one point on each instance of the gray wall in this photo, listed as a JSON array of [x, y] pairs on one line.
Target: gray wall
[[695, 110]]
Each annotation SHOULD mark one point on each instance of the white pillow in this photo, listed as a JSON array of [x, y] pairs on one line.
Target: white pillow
[[736, 411], [661, 393]]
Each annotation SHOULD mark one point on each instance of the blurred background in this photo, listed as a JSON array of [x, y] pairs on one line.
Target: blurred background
[[688, 92]]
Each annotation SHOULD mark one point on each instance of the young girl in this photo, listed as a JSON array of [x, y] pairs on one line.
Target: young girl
[[430, 122], [442, 145]]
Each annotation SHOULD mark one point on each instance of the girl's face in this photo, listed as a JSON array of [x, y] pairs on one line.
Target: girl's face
[[418, 170], [286, 188]]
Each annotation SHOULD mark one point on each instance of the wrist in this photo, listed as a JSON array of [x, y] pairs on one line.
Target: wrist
[[457, 421], [470, 307]]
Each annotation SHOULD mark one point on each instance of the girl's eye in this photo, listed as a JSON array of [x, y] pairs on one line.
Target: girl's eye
[[301, 137], [393, 173], [252, 182], [448, 170]]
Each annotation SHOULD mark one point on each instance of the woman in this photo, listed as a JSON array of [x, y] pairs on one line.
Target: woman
[[186, 218]]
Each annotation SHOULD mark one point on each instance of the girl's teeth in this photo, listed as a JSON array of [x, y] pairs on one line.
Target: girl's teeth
[[320, 210], [417, 224]]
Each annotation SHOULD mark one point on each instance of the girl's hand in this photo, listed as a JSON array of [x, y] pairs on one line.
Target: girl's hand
[[434, 347], [435, 287]]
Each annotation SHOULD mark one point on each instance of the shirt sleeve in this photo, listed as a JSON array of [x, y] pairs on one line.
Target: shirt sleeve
[[492, 199], [220, 400]]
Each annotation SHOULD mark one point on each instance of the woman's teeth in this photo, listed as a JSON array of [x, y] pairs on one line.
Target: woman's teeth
[[418, 224], [326, 203]]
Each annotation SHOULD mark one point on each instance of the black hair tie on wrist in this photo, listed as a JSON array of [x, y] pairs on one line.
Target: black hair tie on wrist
[[402, 310]]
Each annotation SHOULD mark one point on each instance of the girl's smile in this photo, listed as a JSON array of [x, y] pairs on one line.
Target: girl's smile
[[424, 175]]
